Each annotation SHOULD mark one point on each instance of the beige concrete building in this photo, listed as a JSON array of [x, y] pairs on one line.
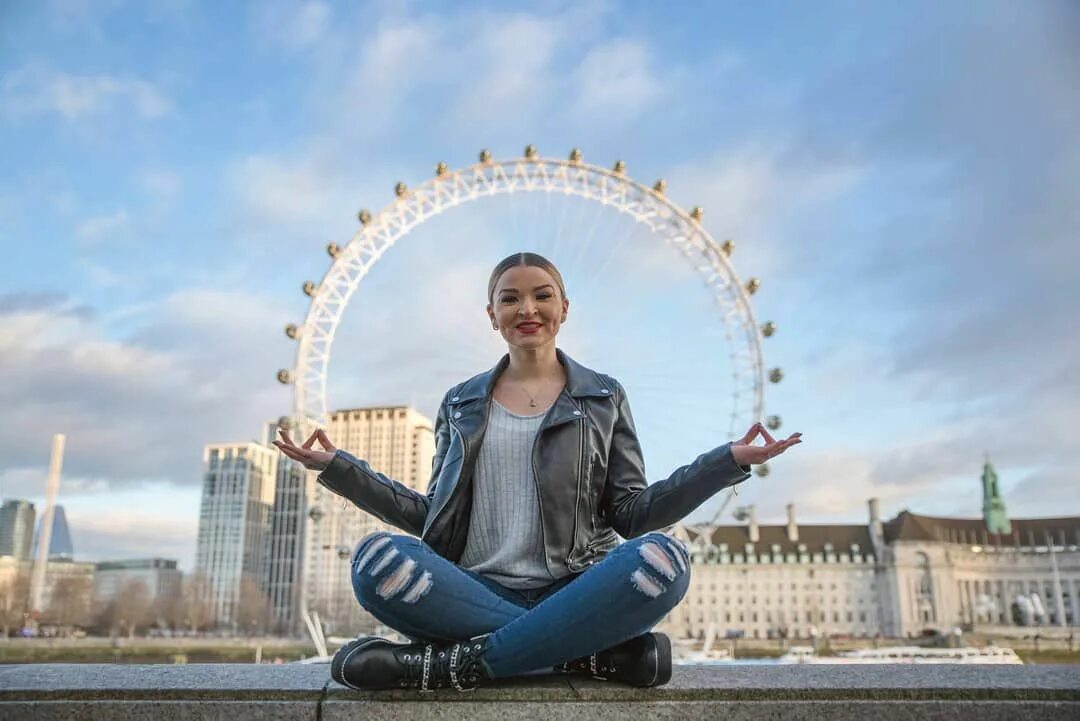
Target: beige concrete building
[[894, 578], [397, 441], [77, 576]]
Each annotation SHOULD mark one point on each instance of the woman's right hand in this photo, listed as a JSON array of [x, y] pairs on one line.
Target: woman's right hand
[[311, 459]]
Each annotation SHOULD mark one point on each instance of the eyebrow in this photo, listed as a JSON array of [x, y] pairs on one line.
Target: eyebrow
[[546, 285]]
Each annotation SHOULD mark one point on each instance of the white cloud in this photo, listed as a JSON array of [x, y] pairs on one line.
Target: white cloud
[[293, 25], [163, 185], [615, 80], [512, 62], [140, 408], [32, 91], [274, 189], [133, 532], [103, 228]]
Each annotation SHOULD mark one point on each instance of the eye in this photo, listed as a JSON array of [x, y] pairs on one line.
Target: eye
[[544, 296]]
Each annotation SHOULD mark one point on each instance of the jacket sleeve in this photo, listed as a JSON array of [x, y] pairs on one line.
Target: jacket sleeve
[[380, 495], [632, 506]]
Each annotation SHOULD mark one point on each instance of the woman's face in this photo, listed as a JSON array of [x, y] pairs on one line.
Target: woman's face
[[528, 308]]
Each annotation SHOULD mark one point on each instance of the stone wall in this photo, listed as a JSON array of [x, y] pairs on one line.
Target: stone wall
[[239, 692]]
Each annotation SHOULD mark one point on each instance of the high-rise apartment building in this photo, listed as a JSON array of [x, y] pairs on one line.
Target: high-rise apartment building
[[16, 528], [234, 521], [285, 547], [395, 440]]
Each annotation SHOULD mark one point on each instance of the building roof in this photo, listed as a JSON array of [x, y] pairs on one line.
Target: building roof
[[909, 526], [812, 537], [136, 564]]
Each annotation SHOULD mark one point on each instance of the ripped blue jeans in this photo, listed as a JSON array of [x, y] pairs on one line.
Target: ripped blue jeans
[[404, 584]]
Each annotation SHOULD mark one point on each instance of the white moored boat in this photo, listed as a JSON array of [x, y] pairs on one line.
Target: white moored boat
[[906, 654]]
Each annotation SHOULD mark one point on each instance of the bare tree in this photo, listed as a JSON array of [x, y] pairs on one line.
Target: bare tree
[[133, 605], [14, 601], [69, 602], [196, 608], [167, 611], [253, 612]]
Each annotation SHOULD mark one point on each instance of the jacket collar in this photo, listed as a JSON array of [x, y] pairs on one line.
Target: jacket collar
[[580, 381]]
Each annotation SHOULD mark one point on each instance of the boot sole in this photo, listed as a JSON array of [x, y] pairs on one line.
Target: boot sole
[[343, 654]]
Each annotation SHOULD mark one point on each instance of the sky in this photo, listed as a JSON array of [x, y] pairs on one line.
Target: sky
[[904, 179]]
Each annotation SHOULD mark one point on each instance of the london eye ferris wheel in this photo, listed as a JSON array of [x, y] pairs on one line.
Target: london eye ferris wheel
[[648, 206]]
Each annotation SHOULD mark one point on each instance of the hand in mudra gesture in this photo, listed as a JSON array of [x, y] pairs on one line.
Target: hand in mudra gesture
[[311, 459], [745, 453]]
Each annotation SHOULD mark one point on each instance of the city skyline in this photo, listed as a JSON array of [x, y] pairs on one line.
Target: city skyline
[[899, 178]]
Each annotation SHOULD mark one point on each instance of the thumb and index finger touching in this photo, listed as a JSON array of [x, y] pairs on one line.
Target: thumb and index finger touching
[[759, 429], [319, 435]]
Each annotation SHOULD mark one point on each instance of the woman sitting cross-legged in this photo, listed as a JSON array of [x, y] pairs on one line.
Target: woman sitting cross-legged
[[512, 563]]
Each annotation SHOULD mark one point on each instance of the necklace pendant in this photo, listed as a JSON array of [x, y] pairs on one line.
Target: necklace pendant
[[532, 404]]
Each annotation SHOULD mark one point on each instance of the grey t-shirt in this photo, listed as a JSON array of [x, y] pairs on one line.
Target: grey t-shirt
[[506, 539]]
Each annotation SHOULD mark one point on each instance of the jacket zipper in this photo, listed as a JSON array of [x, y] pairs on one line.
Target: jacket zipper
[[464, 457], [539, 501], [577, 499]]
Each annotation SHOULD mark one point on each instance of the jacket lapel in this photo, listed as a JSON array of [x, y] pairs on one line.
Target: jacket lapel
[[581, 382]]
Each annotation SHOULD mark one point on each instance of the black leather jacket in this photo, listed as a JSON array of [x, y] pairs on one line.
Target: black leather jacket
[[586, 459]]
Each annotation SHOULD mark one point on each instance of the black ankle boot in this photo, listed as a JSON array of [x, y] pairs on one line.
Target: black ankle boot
[[371, 663], [642, 661]]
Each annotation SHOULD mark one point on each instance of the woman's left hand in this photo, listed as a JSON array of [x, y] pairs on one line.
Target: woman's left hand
[[745, 454]]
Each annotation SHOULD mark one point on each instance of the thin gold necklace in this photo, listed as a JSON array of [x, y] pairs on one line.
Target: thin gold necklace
[[532, 401]]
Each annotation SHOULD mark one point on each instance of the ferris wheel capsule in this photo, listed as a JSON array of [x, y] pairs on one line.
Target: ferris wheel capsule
[[768, 329], [762, 469], [284, 377], [291, 330], [697, 213], [440, 169], [333, 249], [400, 189], [752, 285], [530, 152], [619, 168], [728, 247], [773, 422], [575, 156], [485, 156], [364, 216], [309, 288], [659, 186], [776, 375]]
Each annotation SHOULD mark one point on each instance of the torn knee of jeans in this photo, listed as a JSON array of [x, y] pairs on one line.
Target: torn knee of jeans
[[382, 561], [646, 583], [678, 552], [396, 579], [419, 589], [658, 559], [375, 547]]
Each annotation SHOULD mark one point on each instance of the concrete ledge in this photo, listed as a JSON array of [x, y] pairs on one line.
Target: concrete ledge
[[239, 692]]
